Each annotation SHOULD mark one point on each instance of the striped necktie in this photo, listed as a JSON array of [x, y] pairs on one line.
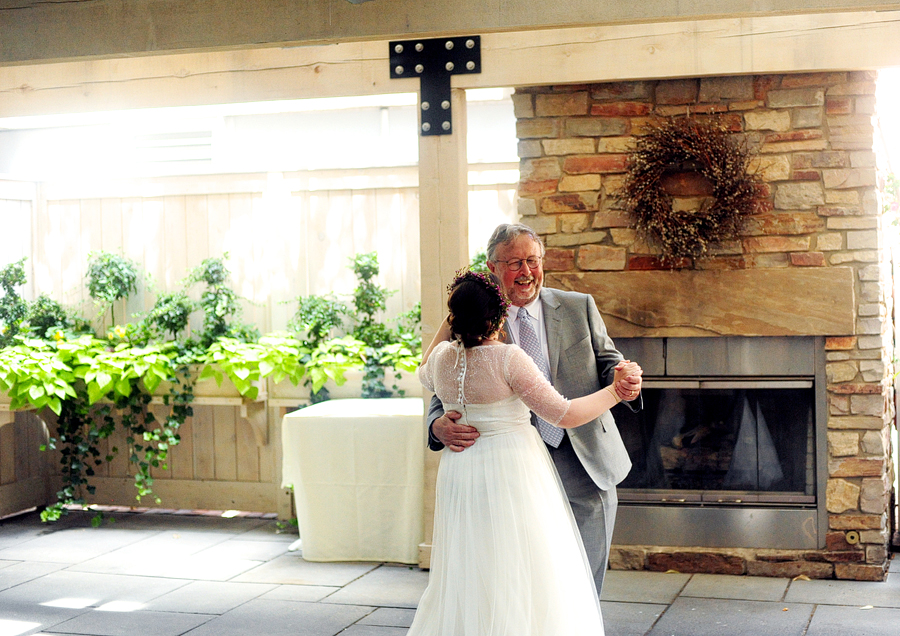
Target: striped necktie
[[529, 342]]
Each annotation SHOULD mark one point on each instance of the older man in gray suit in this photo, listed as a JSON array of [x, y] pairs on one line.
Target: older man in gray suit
[[565, 334]]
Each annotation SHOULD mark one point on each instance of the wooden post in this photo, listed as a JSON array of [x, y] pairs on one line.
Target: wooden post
[[443, 248]]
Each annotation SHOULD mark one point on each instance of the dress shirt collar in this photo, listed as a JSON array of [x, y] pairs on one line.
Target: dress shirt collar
[[535, 310]]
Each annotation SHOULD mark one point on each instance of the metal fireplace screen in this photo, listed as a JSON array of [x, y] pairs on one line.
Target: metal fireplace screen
[[727, 441], [729, 449]]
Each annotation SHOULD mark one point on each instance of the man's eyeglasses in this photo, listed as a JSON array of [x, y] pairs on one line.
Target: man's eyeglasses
[[515, 264]]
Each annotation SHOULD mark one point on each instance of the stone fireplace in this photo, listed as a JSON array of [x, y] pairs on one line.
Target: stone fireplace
[[776, 346]]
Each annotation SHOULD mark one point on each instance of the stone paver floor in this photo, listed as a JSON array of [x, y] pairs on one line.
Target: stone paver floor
[[173, 574]]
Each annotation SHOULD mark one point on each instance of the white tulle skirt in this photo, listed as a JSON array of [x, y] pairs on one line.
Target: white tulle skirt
[[507, 559]]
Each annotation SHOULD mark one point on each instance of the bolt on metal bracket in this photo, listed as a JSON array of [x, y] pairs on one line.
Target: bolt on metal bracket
[[433, 61]]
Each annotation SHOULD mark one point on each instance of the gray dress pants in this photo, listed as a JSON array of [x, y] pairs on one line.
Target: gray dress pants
[[594, 509]]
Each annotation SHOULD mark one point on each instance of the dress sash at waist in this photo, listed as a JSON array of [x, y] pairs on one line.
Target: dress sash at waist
[[504, 416]]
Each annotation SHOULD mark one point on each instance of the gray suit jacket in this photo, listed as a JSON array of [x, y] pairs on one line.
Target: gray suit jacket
[[582, 357]]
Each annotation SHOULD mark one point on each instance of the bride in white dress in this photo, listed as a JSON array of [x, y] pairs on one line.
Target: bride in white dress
[[507, 557]]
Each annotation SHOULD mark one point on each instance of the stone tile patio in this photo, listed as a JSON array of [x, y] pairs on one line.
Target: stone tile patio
[[174, 574]]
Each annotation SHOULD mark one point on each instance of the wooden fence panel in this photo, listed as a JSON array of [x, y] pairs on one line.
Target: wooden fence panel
[[8, 458], [225, 441], [181, 457], [175, 229], [247, 452], [16, 219], [284, 241], [135, 237], [23, 466], [204, 444]]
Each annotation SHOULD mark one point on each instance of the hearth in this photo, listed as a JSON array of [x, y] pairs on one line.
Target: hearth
[[729, 449]]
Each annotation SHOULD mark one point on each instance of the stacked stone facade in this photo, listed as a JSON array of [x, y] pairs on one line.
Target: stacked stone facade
[[812, 137]]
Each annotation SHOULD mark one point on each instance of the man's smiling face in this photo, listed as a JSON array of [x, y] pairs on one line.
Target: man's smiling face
[[523, 285]]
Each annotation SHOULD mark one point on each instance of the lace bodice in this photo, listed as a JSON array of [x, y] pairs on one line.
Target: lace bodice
[[487, 374]]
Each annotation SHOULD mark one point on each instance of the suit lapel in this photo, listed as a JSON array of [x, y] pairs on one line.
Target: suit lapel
[[550, 305]]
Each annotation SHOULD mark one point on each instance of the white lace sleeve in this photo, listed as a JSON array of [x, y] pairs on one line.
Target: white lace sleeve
[[424, 374], [530, 385]]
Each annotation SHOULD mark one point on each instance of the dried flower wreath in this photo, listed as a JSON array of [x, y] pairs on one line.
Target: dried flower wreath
[[706, 146]]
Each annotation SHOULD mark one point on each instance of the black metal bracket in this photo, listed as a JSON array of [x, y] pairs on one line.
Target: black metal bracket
[[433, 62]]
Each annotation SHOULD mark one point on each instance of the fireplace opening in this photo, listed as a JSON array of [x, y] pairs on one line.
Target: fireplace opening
[[730, 446], [718, 441]]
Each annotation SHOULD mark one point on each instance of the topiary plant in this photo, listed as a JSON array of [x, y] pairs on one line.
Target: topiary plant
[[110, 277], [171, 312]]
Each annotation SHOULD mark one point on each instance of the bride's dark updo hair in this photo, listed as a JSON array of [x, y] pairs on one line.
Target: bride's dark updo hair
[[477, 307]]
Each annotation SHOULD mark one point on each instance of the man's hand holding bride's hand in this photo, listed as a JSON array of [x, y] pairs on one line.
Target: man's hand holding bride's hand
[[456, 437], [627, 380]]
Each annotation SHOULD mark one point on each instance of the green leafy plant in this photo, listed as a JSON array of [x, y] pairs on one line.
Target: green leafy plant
[[283, 357], [317, 317], [12, 307], [246, 363], [90, 386], [890, 197], [331, 359], [219, 303], [33, 374], [110, 277], [45, 317], [370, 299], [479, 262], [82, 380], [171, 313], [384, 347]]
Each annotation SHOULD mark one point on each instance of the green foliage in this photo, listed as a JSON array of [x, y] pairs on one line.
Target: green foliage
[[331, 359], [171, 313], [479, 262], [33, 373], [83, 381], [317, 317], [211, 271], [384, 346], [46, 316], [369, 299], [12, 276], [110, 277], [95, 385], [409, 326], [246, 363], [372, 344], [12, 307], [219, 304]]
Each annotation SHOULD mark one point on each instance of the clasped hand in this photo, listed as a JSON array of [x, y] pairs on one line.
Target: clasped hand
[[627, 380]]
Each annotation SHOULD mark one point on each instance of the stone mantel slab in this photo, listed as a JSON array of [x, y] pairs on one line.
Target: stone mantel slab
[[690, 303]]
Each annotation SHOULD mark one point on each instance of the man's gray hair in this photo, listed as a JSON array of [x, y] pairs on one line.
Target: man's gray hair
[[507, 232]]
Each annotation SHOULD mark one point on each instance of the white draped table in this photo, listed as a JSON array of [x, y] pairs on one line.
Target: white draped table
[[357, 468]]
